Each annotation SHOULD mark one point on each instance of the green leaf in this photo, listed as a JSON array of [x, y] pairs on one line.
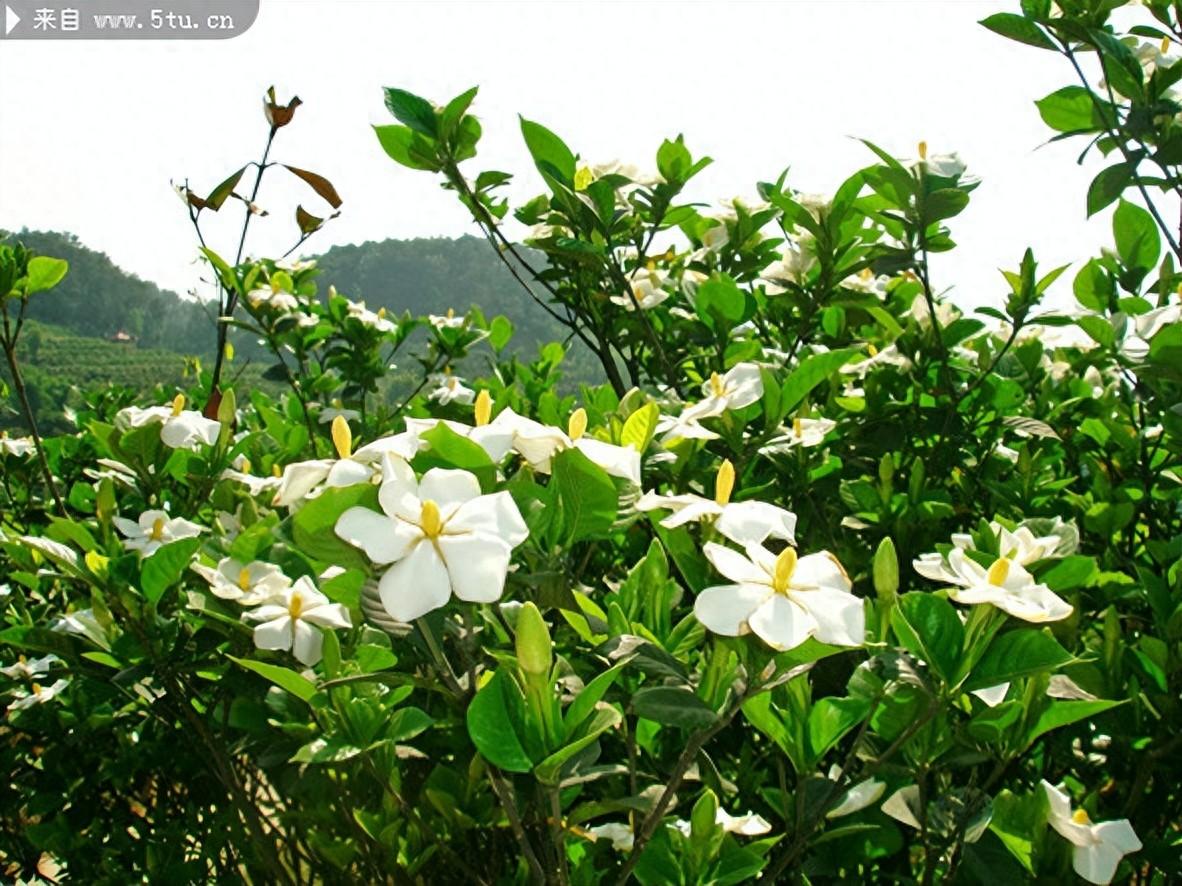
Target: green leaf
[[285, 678], [412, 110], [500, 331], [720, 302], [1097, 328], [580, 709], [640, 427], [550, 153], [1018, 821], [1137, 240], [44, 273], [165, 567], [493, 717], [1016, 27], [1016, 654], [1069, 109], [586, 496], [313, 525], [1069, 573], [944, 203], [457, 451], [1093, 287], [407, 147], [812, 370], [928, 627], [1064, 713], [221, 193], [550, 769], [1109, 185], [673, 706], [830, 719], [405, 723]]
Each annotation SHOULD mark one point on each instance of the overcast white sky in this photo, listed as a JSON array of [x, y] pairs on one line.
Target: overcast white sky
[[91, 133]]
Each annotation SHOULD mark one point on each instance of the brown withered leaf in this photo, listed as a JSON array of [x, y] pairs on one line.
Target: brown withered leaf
[[310, 223], [279, 115], [319, 184]]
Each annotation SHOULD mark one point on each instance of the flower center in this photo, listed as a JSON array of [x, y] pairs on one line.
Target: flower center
[[295, 607], [1080, 816], [483, 408], [717, 386], [36, 688], [342, 437], [871, 350], [1165, 45], [246, 465], [998, 572], [430, 521], [577, 426], [178, 404], [923, 150], [244, 579], [157, 533], [724, 483], [381, 313], [451, 313], [797, 427], [275, 472], [785, 566]]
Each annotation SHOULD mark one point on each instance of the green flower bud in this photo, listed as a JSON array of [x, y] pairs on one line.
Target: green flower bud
[[534, 652], [886, 570]]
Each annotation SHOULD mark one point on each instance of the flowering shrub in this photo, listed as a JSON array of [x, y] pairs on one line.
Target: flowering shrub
[[828, 580]]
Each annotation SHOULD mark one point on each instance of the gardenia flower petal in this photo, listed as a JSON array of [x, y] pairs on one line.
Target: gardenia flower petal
[[618, 461], [734, 565], [477, 564], [861, 796], [992, 695], [494, 514], [749, 825], [1098, 847], [726, 609], [307, 643], [839, 617], [782, 623], [275, 635], [299, 479], [753, 522], [186, 430], [416, 584], [383, 540]]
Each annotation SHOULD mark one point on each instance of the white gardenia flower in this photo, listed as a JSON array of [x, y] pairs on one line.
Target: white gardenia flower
[[245, 583], [793, 266], [373, 319], [1098, 847], [618, 832], [865, 282], [805, 432], [1144, 327], [942, 165], [783, 599], [538, 444], [741, 386], [272, 296], [30, 669], [38, 694], [18, 446], [153, 530], [946, 312], [448, 320], [82, 623], [745, 522], [715, 237], [647, 290], [888, 356], [290, 620], [450, 389], [1031, 541], [305, 479], [749, 825], [180, 428], [1006, 584], [627, 170], [441, 535]]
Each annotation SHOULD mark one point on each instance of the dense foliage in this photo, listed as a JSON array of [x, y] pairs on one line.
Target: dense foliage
[[826, 581]]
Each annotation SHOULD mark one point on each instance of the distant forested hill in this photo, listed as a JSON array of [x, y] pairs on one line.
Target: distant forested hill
[[144, 324]]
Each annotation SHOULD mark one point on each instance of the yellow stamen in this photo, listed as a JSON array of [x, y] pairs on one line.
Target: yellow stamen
[[295, 607], [785, 566], [21, 659], [429, 520], [717, 386], [275, 287], [1080, 816], [451, 313], [36, 688], [923, 150], [483, 408], [577, 426], [157, 533], [275, 470], [244, 579], [871, 350], [866, 274], [797, 427], [381, 313], [724, 483], [998, 572], [1165, 45], [178, 404], [246, 465], [342, 437]]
